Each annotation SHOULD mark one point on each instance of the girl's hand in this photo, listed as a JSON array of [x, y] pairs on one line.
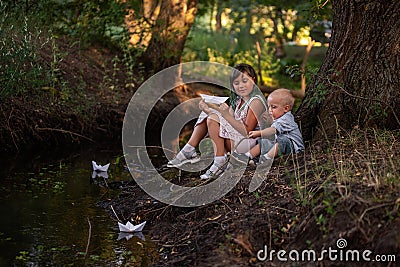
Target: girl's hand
[[223, 109], [254, 134], [204, 107]]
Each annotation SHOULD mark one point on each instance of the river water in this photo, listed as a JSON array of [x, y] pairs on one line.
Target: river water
[[48, 210]]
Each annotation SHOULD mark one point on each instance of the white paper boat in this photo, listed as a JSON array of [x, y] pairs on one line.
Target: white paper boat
[[130, 228], [99, 168], [214, 99]]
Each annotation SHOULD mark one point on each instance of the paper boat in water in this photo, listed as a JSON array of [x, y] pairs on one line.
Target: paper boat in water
[[130, 228], [99, 168]]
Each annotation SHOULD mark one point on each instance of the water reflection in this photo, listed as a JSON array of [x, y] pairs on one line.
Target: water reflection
[[128, 236], [46, 207]]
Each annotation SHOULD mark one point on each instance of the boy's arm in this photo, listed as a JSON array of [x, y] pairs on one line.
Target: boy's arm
[[268, 132], [262, 133], [254, 134]]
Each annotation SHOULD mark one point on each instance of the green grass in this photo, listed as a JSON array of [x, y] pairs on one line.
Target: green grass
[[359, 160]]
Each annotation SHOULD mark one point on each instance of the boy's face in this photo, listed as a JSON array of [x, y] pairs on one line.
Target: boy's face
[[277, 107]]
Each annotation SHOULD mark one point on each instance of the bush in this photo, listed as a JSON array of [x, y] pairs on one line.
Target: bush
[[20, 69], [92, 22]]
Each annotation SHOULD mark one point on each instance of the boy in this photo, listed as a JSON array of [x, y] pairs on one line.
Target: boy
[[287, 135]]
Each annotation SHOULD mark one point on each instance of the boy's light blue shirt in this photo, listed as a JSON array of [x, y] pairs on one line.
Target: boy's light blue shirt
[[285, 125]]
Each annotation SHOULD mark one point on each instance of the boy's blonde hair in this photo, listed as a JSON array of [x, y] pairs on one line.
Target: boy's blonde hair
[[284, 96]]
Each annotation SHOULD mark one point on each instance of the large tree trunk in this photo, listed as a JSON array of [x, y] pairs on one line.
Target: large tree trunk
[[358, 84], [279, 50], [169, 34], [140, 25], [218, 16]]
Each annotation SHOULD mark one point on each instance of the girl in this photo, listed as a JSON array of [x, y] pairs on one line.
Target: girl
[[226, 125]]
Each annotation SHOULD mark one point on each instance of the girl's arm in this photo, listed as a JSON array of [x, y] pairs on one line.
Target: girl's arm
[[255, 110]]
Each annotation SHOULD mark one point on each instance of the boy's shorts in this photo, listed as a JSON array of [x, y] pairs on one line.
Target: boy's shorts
[[285, 145]]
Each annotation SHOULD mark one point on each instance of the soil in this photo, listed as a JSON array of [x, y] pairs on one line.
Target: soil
[[299, 206]]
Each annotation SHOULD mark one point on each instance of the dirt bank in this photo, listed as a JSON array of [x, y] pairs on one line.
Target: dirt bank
[[85, 106], [304, 204]]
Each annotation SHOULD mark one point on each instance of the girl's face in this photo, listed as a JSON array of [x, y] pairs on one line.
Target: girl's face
[[243, 85]]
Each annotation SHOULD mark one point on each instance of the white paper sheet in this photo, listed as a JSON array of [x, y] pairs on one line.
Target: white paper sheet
[[213, 99], [129, 227]]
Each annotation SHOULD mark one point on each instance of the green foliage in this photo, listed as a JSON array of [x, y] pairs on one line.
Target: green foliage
[[102, 21], [132, 69], [378, 111], [47, 180], [222, 48], [320, 92], [23, 257], [22, 47], [246, 22], [354, 163], [201, 41], [90, 21], [19, 68]]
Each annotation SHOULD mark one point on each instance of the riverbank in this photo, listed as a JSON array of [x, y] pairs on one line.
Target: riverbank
[[345, 193], [78, 108], [86, 105]]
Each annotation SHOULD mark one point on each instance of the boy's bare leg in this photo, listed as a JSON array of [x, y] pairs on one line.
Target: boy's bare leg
[[255, 151], [273, 152]]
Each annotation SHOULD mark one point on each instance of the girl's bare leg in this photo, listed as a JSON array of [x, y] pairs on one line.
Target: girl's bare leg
[[199, 132], [228, 145], [213, 131], [220, 160]]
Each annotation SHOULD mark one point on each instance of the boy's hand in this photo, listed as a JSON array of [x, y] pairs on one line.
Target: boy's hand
[[254, 134]]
